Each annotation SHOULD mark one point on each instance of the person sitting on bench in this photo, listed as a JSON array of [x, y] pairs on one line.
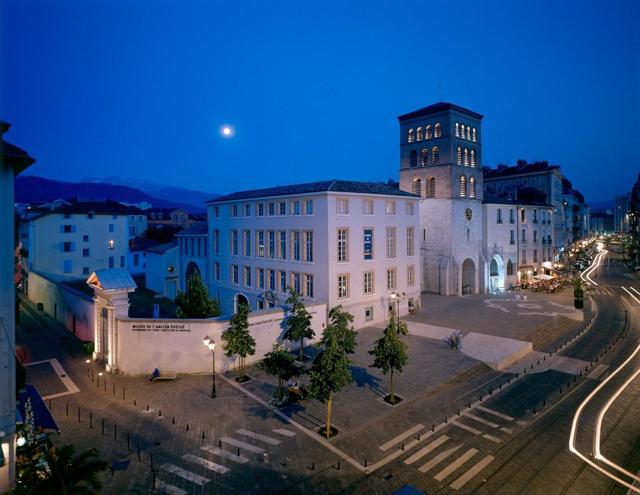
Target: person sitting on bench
[[154, 374]]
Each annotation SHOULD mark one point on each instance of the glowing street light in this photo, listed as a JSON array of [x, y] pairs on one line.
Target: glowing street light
[[211, 345]]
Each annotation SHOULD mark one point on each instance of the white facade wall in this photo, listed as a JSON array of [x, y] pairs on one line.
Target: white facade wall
[[324, 223], [193, 248], [162, 272], [47, 237], [137, 224]]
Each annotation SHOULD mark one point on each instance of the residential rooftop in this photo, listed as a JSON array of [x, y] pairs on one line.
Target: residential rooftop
[[78, 206], [162, 248], [200, 228], [339, 186], [438, 108], [502, 171]]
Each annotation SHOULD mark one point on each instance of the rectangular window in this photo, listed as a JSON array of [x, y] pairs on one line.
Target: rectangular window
[[295, 245], [259, 209], [368, 287], [234, 242], [295, 282], [234, 211], [390, 208], [282, 245], [308, 246], [367, 243], [308, 285], [535, 236], [111, 227], [512, 217], [235, 275], [410, 241], [535, 255], [295, 207], [499, 215], [282, 280], [85, 253], [85, 270], [216, 211], [523, 216], [271, 245], [271, 209], [260, 277], [68, 229], [216, 241], [111, 262], [246, 242], [391, 242], [308, 207], [524, 235], [410, 208], [85, 238], [121, 261], [343, 245], [67, 247], [524, 256], [342, 206], [247, 276], [411, 275], [391, 278], [67, 267], [535, 216], [247, 209], [367, 207], [216, 271], [260, 243], [282, 208], [136, 259], [343, 286], [512, 237], [271, 279], [132, 231], [368, 313]]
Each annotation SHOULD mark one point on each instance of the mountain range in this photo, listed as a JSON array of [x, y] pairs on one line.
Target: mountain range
[[34, 189]]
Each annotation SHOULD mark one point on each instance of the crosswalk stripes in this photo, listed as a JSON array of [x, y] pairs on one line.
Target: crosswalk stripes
[[471, 472], [169, 489], [211, 466], [258, 436], [451, 468], [495, 413], [286, 433], [470, 429], [481, 420], [402, 436], [438, 459], [184, 473], [425, 450], [242, 445], [212, 449]]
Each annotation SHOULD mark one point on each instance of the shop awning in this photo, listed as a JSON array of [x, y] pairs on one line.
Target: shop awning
[[41, 414]]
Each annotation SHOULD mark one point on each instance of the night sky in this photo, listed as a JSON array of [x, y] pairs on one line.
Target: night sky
[[313, 89]]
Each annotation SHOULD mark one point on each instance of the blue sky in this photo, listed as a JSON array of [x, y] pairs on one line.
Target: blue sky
[[313, 89]]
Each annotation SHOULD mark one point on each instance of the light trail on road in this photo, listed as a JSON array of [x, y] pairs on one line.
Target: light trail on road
[[586, 275], [628, 292]]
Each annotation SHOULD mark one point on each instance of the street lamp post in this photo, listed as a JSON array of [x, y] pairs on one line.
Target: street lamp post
[[396, 297], [211, 345]]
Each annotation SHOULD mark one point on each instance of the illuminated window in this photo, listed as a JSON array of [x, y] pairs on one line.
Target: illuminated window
[[473, 134], [111, 244], [429, 132], [469, 133], [410, 136], [457, 130], [466, 157], [431, 187], [463, 186], [424, 157], [413, 159], [416, 186], [438, 130], [435, 155], [459, 155], [472, 187], [419, 134], [473, 158], [368, 283]]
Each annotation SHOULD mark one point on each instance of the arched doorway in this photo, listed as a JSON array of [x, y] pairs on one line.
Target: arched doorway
[[468, 277], [496, 274], [192, 269], [239, 299]]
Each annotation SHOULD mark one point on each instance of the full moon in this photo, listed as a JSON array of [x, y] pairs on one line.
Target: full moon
[[226, 131]]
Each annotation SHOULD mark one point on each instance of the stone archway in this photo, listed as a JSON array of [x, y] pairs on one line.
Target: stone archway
[[468, 276], [192, 269], [238, 300], [496, 274]]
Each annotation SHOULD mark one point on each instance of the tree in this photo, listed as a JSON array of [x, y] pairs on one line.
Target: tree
[[298, 322], [195, 302], [237, 339], [279, 363], [331, 369], [390, 353], [578, 292]]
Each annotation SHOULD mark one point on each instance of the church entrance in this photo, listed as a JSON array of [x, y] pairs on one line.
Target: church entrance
[[468, 277], [496, 274]]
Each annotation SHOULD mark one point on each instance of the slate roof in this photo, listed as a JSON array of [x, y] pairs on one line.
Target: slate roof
[[200, 228], [507, 199], [162, 248], [436, 108], [529, 168], [340, 186], [75, 206], [112, 278]]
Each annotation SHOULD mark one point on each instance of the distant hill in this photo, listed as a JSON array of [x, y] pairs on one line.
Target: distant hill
[[160, 191], [34, 189]]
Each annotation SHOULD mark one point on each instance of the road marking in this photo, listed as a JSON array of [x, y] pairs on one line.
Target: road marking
[[401, 437], [257, 436], [466, 427], [522, 423], [243, 445], [495, 413], [492, 438], [224, 454], [455, 464], [170, 489], [211, 466], [437, 459], [62, 376], [598, 371], [284, 432], [471, 472], [506, 430], [183, 473], [425, 450], [481, 420]]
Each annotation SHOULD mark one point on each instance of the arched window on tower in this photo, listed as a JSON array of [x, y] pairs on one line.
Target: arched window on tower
[[413, 159], [424, 157], [438, 130], [416, 186], [429, 132], [410, 136], [431, 187], [466, 157], [419, 134], [509, 267], [459, 155], [473, 158], [463, 186], [457, 130], [472, 187], [468, 133], [473, 133], [435, 155]]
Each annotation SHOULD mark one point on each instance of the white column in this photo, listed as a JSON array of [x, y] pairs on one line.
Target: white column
[[97, 343], [110, 337]]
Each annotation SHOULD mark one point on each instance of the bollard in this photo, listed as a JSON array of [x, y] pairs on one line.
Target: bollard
[[67, 408], [159, 413], [538, 362], [105, 383], [446, 420], [135, 402], [78, 414], [524, 371], [147, 407], [50, 405], [365, 462], [188, 430], [458, 411], [499, 386], [90, 420], [102, 426], [219, 443], [128, 449], [402, 446], [203, 436], [531, 365], [238, 452], [138, 449], [114, 389], [123, 393], [560, 389], [115, 432], [173, 420], [544, 358], [433, 427], [338, 466], [313, 466], [151, 460], [534, 410]]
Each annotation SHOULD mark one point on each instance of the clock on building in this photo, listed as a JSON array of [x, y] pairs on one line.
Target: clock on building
[[468, 214]]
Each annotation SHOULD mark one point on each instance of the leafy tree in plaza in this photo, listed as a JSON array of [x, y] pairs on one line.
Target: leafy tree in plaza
[[390, 353], [195, 302], [298, 322], [578, 292], [279, 363], [331, 369], [237, 339]]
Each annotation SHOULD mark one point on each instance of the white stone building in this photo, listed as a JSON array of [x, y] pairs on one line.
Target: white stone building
[[162, 269], [344, 243], [193, 245]]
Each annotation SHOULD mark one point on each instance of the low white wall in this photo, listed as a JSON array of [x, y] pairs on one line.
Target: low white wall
[[176, 344], [68, 301]]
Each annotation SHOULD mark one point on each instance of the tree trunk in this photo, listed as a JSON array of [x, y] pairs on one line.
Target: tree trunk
[[302, 349], [280, 386], [329, 416], [393, 396]]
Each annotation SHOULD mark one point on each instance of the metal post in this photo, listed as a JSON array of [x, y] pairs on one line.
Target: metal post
[[213, 369]]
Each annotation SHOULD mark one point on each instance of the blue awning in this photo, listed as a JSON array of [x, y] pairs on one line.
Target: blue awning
[[41, 414]]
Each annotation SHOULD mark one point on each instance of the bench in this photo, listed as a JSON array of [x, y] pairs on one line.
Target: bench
[[165, 375]]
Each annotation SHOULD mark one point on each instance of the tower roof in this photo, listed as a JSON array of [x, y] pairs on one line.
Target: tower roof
[[437, 108]]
